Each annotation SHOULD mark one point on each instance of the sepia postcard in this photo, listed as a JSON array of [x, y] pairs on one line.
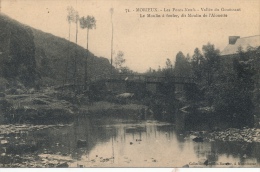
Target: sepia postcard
[[129, 83]]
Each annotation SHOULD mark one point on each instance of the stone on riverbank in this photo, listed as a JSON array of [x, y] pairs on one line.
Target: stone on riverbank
[[36, 108], [243, 135]]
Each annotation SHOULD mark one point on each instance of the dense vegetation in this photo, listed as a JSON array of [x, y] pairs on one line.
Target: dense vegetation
[[227, 86], [17, 52], [52, 54], [33, 57]]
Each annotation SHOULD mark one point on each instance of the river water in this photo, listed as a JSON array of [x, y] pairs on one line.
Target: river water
[[128, 142]]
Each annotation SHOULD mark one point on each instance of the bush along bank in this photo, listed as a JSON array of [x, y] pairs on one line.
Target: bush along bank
[[109, 108], [35, 108], [51, 107]]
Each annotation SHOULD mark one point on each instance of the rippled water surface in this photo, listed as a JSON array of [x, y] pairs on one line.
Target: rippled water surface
[[126, 142]]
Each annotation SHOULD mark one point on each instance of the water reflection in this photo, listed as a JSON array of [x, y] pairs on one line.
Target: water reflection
[[244, 152], [127, 142]]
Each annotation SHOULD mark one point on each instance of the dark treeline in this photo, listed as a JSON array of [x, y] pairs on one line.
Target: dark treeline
[[226, 86]]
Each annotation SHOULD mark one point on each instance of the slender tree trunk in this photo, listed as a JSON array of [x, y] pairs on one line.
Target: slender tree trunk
[[86, 63], [112, 45], [67, 61], [75, 59], [92, 68]]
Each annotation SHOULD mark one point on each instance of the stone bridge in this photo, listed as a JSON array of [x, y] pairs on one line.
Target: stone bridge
[[134, 83], [143, 83]]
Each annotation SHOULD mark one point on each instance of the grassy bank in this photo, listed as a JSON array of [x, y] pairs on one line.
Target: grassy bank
[[108, 108], [35, 108], [50, 107]]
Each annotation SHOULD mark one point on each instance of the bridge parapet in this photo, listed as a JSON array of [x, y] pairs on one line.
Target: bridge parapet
[[128, 77], [151, 79], [133, 78]]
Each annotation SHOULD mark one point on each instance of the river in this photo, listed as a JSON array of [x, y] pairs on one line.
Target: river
[[116, 141]]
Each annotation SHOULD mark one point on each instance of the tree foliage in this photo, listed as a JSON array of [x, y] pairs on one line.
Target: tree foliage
[[119, 60], [88, 22], [197, 63], [229, 85], [233, 91], [182, 66], [72, 15], [168, 70], [168, 63], [212, 61]]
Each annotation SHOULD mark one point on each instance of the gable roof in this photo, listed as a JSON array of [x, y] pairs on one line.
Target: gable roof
[[253, 41]]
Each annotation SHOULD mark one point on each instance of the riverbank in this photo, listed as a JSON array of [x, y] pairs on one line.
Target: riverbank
[[246, 135], [18, 149], [51, 107], [241, 135], [37, 108], [110, 108], [56, 146]]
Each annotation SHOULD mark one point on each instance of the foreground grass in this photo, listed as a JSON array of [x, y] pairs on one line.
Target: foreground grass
[[108, 105], [50, 106], [108, 108]]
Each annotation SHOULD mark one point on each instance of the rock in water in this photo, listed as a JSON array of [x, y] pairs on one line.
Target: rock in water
[[206, 162], [63, 165], [81, 143], [198, 139], [186, 166]]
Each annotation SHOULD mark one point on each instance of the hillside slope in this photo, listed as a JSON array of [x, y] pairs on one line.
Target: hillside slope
[[54, 55], [17, 52], [29, 55]]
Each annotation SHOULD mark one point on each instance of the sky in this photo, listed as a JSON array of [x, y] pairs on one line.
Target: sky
[[147, 41]]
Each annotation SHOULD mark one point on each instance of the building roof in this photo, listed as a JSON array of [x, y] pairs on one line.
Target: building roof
[[253, 41]]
